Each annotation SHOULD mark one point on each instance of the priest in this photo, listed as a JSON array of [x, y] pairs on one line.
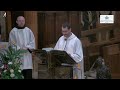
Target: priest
[[24, 38], [73, 46]]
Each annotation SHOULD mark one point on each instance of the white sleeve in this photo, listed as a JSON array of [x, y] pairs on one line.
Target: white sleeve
[[12, 39], [78, 55], [31, 44]]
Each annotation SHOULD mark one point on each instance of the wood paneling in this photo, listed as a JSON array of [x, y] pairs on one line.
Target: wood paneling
[[113, 49], [32, 23], [3, 25], [112, 59], [52, 24], [74, 21], [61, 17], [41, 29], [8, 24], [117, 19], [49, 33]]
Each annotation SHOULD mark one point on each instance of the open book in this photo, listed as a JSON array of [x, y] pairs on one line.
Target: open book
[[59, 56], [63, 57], [47, 49]]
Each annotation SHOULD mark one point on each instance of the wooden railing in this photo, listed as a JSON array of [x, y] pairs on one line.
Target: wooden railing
[[102, 35]]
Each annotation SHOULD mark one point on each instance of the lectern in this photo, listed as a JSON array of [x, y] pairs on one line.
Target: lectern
[[63, 64], [62, 57], [59, 64]]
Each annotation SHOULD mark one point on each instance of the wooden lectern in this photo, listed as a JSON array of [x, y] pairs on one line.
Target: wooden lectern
[[62, 57], [57, 64], [63, 64]]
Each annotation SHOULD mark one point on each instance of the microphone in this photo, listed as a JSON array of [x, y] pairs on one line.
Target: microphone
[[65, 39], [65, 43]]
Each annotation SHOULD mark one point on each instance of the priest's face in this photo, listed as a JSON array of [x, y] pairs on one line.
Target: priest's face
[[20, 21], [66, 32]]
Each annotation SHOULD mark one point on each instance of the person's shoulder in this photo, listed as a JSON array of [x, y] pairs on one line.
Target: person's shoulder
[[61, 37], [76, 38], [13, 29], [27, 28]]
